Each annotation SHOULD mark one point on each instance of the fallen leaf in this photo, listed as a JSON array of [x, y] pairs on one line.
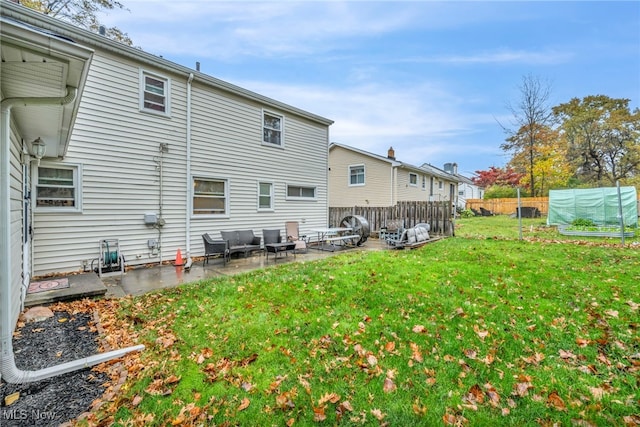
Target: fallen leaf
[[567, 354], [244, 404], [481, 333], [318, 413], [416, 354], [389, 386], [611, 313], [597, 392], [378, 414], [10, 399], [136, 400], [471, 354], [419, 329], [372, 360], [555, 401]]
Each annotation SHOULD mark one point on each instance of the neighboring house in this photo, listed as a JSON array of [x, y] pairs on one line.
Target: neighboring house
[[138, 149], [466, 188], [360, 178]]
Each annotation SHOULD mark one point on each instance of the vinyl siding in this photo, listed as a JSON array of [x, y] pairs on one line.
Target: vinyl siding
[[376, 190], [16, 226], [117, 148], [408, 192]]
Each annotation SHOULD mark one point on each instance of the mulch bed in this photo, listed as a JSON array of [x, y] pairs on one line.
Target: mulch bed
[[38, 345]]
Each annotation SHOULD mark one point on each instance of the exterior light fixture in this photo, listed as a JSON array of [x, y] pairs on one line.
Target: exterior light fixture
[[38, 148]]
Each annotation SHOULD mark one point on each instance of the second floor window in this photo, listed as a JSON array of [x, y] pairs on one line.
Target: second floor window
[[154, 93], [272, 129], [356, 175], [413, 179]]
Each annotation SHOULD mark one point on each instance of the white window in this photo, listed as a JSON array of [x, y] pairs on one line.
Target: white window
[[272, 129], [58, 188], [424, 182], [413, 179], [210, 197], [265, 196], [356, 175], [154, 93], [440, 185], [300, 192]]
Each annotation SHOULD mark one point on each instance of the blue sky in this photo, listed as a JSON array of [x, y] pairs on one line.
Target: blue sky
[[431, 79]]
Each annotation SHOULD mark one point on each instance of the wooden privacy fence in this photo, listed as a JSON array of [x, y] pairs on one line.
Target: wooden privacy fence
[[509, 206], [436, 214]]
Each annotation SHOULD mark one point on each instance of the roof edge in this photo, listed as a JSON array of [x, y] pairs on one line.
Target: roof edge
[[62, 28]]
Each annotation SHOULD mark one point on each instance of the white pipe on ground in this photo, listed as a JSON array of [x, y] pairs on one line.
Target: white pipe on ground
[[8, 369]]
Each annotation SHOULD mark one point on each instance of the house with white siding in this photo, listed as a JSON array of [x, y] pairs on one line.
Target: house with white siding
[[360, 178], [105, 141]]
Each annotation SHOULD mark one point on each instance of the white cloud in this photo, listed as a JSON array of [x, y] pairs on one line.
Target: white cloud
[[422, 122]]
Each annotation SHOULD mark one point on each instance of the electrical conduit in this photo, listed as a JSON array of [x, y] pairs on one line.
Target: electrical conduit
[[8, 369]]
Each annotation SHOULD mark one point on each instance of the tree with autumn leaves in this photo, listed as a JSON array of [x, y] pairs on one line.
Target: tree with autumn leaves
[[589, 142], [83, 13]]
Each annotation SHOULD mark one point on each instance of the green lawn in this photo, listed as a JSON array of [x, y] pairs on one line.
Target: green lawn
[[482, 329]]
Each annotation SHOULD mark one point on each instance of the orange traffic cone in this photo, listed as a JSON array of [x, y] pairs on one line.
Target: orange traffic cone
[[178, 258]]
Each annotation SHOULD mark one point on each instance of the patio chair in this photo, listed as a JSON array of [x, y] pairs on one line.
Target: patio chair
[[215, 248], [293, 235], [273, 244]]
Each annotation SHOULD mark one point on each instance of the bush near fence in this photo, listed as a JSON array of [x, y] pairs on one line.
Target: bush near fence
[[508, 206], [437, 214]]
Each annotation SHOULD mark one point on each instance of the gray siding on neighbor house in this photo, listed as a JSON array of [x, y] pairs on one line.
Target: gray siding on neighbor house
[[117, 148]]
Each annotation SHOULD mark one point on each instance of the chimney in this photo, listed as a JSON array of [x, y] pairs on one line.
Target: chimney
[[197, 65], [391, 154], [455, 169]]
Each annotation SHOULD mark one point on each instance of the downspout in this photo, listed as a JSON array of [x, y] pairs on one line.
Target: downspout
[[8, 369], [187, 266]]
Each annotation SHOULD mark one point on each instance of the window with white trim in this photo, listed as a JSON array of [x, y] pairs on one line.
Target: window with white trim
[[424, 182], [265, 196], [58, 188], [210, 197], [413, 179], [272, 126], [154, 93], [300, 192], [440, 185], [356, 175]]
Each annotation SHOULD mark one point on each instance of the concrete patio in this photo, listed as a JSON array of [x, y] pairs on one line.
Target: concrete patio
[[141, 280]]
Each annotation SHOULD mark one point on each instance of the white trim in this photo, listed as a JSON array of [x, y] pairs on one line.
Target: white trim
[[77, 185], [167, 93], [227, 185], [271, 208], [364, 175], [281, 130]]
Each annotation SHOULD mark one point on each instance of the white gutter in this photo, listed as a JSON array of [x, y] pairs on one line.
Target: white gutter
[[8, 369], [187, 265]]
